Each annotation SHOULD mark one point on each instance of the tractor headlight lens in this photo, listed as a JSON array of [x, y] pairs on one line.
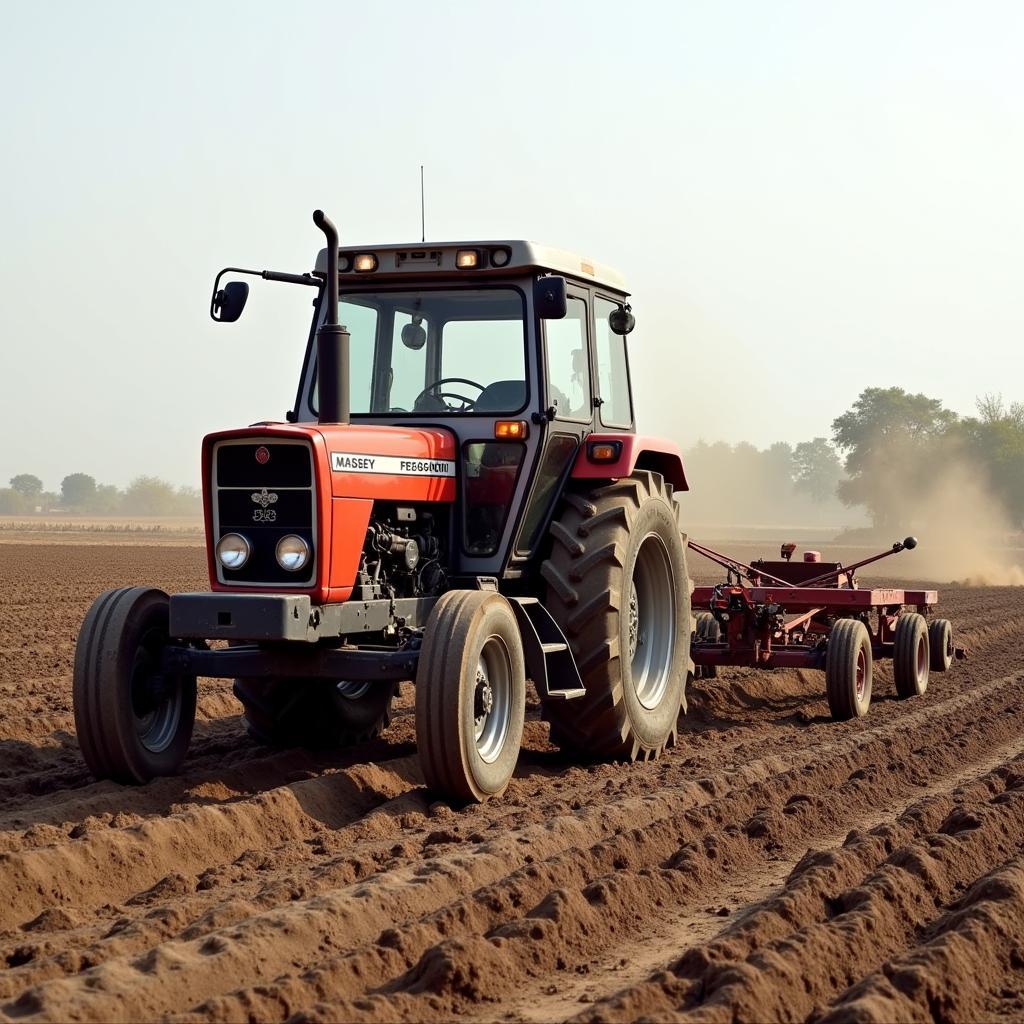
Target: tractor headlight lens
[[233, 551], [292, 553]]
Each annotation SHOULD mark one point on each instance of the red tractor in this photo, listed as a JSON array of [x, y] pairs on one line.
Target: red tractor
[[458, 498]]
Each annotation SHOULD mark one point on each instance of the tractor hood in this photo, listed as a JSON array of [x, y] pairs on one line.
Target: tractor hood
[[390, 463], [370, 461]]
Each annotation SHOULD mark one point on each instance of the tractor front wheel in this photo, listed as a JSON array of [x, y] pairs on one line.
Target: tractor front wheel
[[133, 720], [848, 669], [910, 656], [318, 714], [618, 587], [470, 696]]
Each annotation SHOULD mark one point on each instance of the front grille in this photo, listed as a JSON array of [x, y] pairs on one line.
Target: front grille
[[264, 491]]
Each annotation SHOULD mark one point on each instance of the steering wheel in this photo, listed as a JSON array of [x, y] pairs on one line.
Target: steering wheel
[[433, 391]]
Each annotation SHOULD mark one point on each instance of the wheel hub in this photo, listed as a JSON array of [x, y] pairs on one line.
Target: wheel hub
[[483, 698], [492, 699], [156, 697], [651, 622]]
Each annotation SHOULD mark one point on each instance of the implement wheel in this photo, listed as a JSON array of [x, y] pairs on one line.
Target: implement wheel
[[910, 656], [940, 641], [470, 696], [133, 721], [317, 714], [618, 587], [848, 670], [707, 630]]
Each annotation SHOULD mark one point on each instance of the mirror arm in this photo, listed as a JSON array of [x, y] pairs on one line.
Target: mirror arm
[[267, 275]]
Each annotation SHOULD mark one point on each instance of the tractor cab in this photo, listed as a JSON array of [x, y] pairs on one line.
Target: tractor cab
[[516, 349]]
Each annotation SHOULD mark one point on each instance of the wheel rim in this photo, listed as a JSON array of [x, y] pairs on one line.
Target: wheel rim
[[492, 698], [651, 621], [922, 657], [156, 698], [353, 691], [862, 674], [949, 645]]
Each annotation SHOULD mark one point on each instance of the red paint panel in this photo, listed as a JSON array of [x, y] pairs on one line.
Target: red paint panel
[[349, 519], [653, 453], [407, 450]]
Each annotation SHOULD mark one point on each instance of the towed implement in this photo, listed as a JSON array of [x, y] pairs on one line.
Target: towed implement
[[812, 614]]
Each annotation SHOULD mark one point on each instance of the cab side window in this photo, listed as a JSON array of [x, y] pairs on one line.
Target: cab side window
[[568, 368], [612, 370]]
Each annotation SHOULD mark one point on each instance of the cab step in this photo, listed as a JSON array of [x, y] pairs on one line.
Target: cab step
[[549, 661]]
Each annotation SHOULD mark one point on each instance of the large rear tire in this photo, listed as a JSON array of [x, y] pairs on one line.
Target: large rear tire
[[848, 670], [315, 713], [911, 655], [133, 722], [618, 587], [470, 696]]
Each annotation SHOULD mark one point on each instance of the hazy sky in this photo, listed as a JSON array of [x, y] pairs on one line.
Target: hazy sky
[[807, 198]]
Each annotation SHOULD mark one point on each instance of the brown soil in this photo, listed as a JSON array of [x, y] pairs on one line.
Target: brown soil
[[773, 866]]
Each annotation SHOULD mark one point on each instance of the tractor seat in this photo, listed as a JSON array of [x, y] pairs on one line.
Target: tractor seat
[[502, 396]]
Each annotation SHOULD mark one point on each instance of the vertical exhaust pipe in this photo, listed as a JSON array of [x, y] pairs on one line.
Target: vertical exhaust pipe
[[332, 340]]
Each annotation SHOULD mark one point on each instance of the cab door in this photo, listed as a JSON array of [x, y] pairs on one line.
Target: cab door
[[569, 401]]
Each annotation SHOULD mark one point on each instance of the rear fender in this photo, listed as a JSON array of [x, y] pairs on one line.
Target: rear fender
[[637, 452]]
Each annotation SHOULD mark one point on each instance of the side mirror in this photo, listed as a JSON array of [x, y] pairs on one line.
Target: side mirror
[[229, 301], [414, 337], [621, 320], [549, 298]]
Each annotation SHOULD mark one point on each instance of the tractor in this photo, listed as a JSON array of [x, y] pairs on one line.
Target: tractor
[[459, 498]]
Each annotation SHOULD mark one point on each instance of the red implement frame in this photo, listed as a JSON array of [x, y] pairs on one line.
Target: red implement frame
[[770, 622]]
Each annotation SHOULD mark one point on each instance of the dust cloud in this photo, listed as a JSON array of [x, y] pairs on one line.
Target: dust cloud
[[964, 533]]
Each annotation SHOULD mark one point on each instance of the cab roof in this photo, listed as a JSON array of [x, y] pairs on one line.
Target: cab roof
[[496, 257]]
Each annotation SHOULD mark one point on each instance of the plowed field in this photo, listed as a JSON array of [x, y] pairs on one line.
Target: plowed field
[[774, 865]]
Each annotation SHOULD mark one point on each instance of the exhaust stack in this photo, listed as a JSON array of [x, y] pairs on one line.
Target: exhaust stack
[[332, 340]]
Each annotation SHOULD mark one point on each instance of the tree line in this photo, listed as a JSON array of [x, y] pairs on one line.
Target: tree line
[[80, 494], [882, 461]]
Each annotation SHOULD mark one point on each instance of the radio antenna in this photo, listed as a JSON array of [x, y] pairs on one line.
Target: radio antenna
[[423, 213]]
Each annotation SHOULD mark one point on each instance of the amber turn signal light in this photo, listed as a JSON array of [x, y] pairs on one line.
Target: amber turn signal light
[[511, 430], [604, 451]]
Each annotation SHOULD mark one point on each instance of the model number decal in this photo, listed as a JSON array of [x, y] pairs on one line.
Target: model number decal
[[391, 465]]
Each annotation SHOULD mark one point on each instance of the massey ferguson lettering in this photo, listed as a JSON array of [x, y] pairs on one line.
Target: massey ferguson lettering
[[391, 465]]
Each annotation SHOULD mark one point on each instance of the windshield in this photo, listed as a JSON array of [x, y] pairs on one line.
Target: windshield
[[435, 352]]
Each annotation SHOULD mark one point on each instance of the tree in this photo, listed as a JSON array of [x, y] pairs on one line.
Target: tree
[[27, 485], [818, 469], [77, 490], [12, 502], [149, 496], [995, 445], [893, 441], [106, 501]]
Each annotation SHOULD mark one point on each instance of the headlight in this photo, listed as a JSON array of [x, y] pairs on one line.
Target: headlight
[[233, 551], [292, 553]]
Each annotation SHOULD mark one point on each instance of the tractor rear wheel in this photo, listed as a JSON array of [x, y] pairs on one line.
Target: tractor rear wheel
[[315, 713], [940, 642], [618, 587], [470, 696], [134, 722], [848, 669], [707, 629], [910, 656]]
